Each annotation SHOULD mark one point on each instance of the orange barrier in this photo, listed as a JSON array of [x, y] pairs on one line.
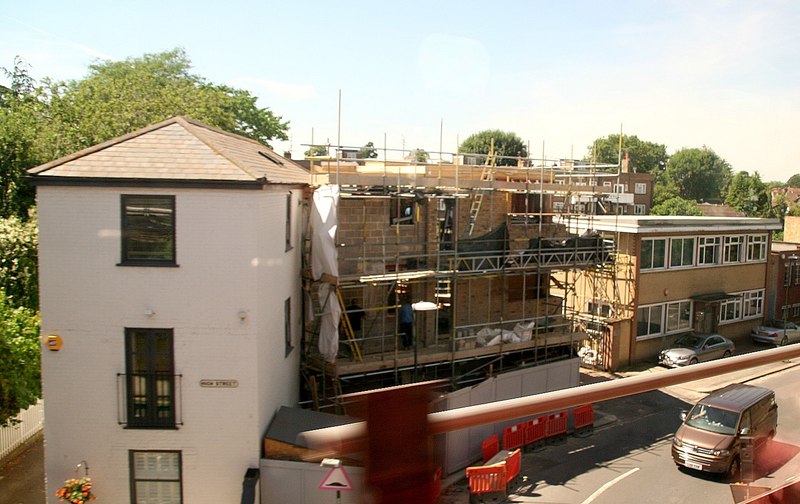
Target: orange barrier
[[584, 417], [556, 426], [437, 482], [513, 464], [490, 447], [495, 478], [535, 431], [514, 436], [486, 479]]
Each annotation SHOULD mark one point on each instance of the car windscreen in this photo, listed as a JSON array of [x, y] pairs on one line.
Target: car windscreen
[[709, 418], [688, 341]]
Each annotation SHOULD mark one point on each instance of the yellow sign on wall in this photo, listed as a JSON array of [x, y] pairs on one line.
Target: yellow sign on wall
[[54, 342]]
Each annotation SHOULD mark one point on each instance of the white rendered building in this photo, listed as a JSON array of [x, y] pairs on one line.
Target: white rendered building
[[169, 263]]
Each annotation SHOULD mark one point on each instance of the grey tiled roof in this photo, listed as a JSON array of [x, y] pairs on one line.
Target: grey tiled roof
[[177, 149]]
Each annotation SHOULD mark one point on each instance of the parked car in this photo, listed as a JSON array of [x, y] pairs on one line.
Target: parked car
[[692, 348], [772, 332]]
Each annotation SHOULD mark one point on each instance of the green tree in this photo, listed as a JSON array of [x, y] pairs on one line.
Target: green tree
[[507, 146], [748, 194], [43, 121], [699, 174], [646, 157], [19, 279], [794, 180], [368, 151], [21, 118], [676, 206], [418, 155], [316, 151], [20, 359]]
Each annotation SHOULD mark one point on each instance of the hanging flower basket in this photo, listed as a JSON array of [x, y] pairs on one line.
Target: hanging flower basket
[[76, 491]]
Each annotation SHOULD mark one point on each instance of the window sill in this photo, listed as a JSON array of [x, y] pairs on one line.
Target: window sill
[[154, 264], [151, 427]]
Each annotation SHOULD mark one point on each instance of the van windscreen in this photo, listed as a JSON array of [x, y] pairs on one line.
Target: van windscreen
[[709, 418]]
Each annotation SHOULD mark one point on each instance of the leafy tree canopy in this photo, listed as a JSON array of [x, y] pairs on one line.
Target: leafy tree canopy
[[418, 155], [676, 206], [699, 174], [507, 146], [20, 359], [43, 121], [19, 279], [317, 151], [794, 180], [646, 157], [368, 151], [748, 194]]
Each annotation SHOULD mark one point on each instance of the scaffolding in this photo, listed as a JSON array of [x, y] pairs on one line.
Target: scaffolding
[[405, 236]]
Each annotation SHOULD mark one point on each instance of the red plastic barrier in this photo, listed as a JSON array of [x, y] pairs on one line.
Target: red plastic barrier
[[490, 447], [513, 463], [535, 430], [437, 482], [514, 436], [485, 479], [584, 416], [556, 424]]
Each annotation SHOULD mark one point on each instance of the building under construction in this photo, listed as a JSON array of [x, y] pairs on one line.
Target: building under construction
[[475, 253]]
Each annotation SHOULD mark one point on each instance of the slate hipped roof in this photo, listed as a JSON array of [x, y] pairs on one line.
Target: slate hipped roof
[[176, 150]]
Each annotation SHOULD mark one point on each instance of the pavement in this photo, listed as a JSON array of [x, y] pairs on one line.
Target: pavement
[[22, 475]]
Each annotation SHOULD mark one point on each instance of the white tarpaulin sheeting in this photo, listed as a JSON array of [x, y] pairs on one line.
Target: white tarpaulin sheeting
[[324, 221]]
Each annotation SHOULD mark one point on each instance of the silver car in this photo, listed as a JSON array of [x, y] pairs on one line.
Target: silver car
[[772, 332], [693, 348]]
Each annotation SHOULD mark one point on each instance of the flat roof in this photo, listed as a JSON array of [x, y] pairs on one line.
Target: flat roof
[[649, 224]]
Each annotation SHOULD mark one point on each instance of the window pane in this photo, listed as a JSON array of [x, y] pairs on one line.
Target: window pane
[[156, 477], [158, 492], [148, 228], [659, 253], [688, 251], [156, 465], [647, 254]]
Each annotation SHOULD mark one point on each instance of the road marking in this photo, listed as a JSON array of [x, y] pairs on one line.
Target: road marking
[[608, 485], [580, 449]]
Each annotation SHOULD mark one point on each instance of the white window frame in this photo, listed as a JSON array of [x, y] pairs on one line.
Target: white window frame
[[649, 309], [693, 248], [558, 206], [620, 188], [730, 310], [639, 209], [681, 305], [757, 247], [753, 304], [606, 184], [709, 242], [640, 188], [733, 249], [651, 266]]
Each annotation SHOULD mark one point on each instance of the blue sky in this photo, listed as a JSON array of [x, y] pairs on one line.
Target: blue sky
[[725, 74]]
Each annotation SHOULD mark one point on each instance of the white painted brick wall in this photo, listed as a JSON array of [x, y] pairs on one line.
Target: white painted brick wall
[[231, 256]]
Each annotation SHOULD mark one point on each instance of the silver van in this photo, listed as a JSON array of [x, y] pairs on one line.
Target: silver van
[[709, 439]]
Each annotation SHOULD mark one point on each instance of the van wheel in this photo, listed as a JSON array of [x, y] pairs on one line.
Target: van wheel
[[735, 470], [693, 361], [726, 354]]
